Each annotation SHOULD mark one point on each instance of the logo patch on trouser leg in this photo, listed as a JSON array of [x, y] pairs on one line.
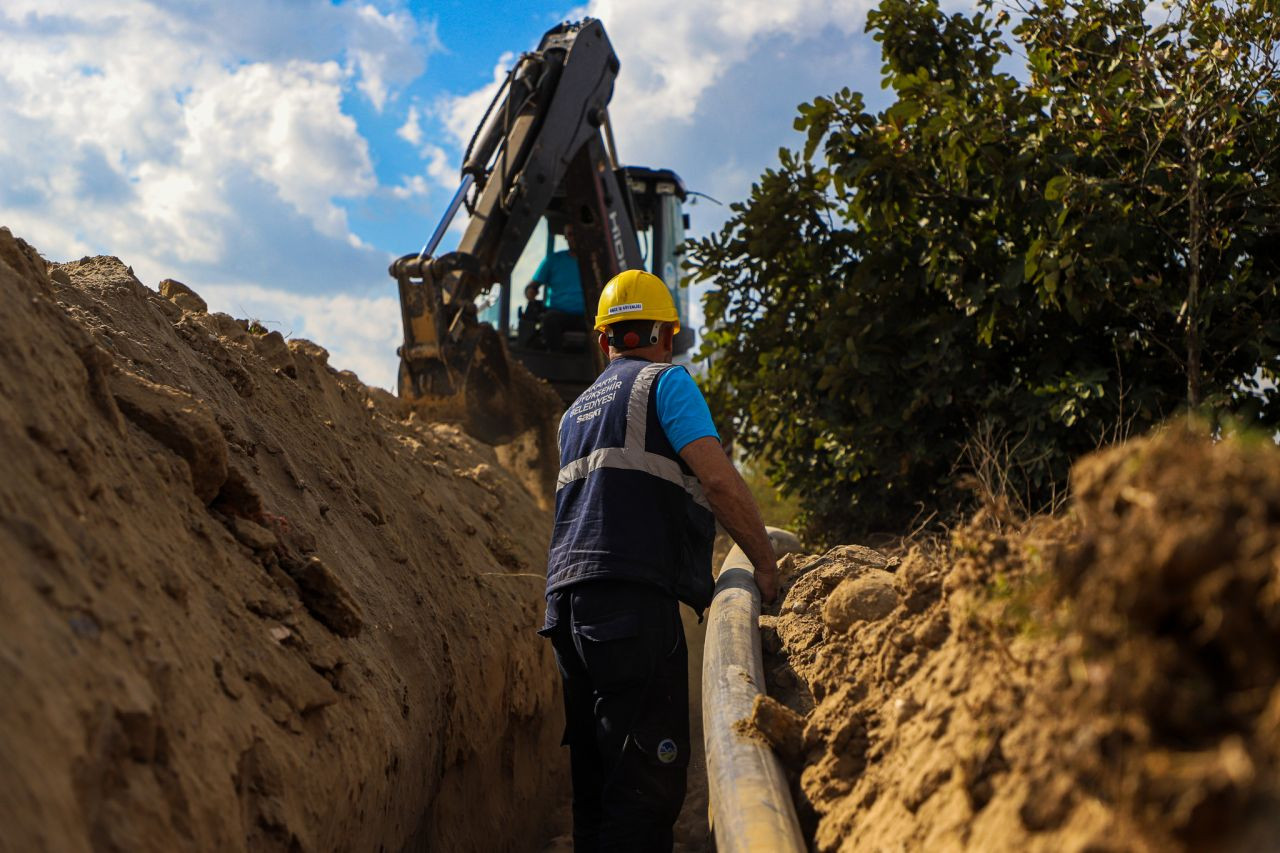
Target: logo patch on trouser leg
[[668, 751]]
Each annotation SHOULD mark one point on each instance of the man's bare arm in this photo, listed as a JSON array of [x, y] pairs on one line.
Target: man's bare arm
[[734, 508]]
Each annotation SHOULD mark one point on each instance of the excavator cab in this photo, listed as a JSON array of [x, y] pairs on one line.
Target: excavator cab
[[561, 348]]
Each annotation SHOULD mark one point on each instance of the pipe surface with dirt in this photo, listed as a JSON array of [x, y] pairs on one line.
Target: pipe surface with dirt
[[750, 798]]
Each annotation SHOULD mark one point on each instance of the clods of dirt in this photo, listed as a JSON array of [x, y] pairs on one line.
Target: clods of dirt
[[1108, 679]]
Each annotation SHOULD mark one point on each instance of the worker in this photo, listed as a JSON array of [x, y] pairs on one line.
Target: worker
[[643, 479], [563, 307]]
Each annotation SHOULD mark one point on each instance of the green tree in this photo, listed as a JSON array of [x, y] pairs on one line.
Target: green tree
[[1173, 129], [1037, 258]]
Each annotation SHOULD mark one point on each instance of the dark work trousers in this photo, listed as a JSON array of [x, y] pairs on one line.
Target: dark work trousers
[[625, 668], [556, 323]]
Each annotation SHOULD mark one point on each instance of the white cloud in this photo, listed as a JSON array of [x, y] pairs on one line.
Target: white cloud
[[440, 164], [674, 51], [388, 49], [360, 332], [411, 130], [411, 187], [461, 114], [285, 125], [182, 137]]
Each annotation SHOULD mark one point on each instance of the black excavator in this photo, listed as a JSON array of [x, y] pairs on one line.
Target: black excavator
[[541, 172]]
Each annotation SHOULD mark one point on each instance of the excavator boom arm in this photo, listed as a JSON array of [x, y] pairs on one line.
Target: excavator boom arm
[[541, 139]]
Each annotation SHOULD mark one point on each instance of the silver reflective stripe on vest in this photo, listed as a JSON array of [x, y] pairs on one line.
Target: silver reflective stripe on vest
[[638, 406], [632, 456]]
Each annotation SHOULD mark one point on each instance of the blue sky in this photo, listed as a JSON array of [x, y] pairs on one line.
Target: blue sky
[[276, 155]]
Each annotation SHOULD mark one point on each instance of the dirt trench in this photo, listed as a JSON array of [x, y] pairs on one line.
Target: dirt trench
[[247, 602], [1107, 679]]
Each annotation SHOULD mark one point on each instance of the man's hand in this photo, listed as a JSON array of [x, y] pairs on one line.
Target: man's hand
[[735, 509], [767, 583]]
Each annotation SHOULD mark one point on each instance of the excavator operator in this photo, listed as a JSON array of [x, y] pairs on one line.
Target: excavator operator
[[643, 480], [563, 307]]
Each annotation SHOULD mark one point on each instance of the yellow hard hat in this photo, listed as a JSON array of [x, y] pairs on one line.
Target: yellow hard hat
[[635, 295]]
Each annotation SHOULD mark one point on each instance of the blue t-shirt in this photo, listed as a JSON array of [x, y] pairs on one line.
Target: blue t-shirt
[[682, 410], [559, 272]]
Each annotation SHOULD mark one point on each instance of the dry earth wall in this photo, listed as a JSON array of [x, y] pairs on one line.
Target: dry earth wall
[[247, 602]]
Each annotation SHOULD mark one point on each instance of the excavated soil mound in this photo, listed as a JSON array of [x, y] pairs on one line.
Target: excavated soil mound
[[246, 601], [1106, 680]]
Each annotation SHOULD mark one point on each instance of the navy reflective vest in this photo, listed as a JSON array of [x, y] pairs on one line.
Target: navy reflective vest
[[627, 507]]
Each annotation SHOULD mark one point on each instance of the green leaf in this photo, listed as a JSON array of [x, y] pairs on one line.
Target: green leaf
[[1057, 186]]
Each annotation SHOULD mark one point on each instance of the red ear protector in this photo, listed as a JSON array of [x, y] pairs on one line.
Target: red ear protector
[[631, 340]]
